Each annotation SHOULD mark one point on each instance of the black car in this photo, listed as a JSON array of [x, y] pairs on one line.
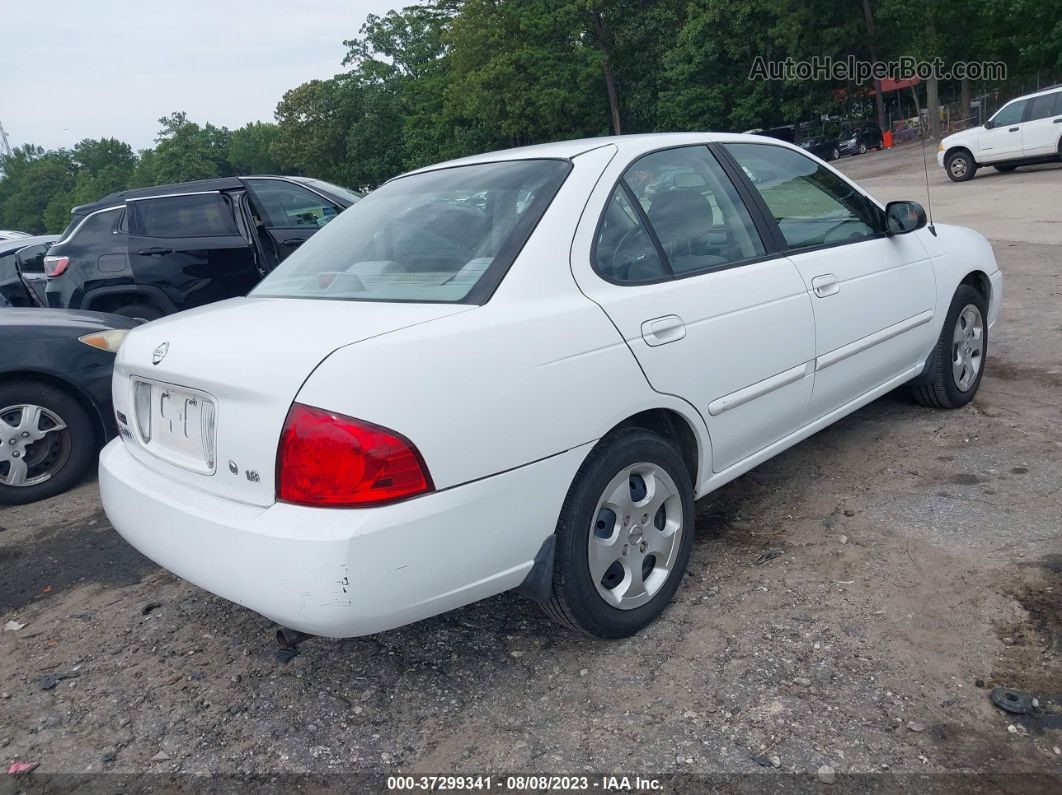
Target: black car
[[22, 278], [55, 397], [149, 252], [825, 147], [857, 140]]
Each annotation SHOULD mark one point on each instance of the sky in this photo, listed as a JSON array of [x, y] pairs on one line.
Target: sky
[[111, 68]]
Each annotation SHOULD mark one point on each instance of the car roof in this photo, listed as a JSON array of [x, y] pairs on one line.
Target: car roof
[[626, 145], [196, 186], [19, 243]]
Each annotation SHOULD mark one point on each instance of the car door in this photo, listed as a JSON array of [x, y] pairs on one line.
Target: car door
[[29, 263], [189, 246], [873, 295], [1001, 138], [289, 213], [1043, 126], [712, 314]]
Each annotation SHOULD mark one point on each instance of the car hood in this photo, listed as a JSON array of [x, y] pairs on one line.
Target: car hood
[[250, 356]]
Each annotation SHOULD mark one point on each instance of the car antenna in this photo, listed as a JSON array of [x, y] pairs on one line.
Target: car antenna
[[929, 198]]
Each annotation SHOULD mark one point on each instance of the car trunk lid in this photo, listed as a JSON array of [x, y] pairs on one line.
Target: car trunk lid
[[202, 396]]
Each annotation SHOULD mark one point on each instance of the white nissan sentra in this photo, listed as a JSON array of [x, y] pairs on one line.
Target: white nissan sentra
[[518, 370]]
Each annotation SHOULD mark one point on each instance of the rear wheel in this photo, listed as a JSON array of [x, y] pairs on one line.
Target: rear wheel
[[47, 442], [624, 536], [957, 364], [960, 167], [139, 311], [1004, 169]]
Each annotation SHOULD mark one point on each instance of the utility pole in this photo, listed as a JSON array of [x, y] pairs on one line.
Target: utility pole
[[5, 147]]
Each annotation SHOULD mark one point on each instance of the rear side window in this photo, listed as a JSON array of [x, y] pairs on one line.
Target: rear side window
[[289, 206], [194, 215], [97, 228], [447, 235], [1043, 107], [812, 205], [696, 215]]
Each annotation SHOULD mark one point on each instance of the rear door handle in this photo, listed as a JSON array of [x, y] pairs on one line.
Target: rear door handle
[[662, 330], [293, 242], [826, 285], [154, 252], [1058, 120], [1013, 129]]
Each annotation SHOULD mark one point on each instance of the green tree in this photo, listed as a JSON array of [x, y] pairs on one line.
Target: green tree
[[251, 149]]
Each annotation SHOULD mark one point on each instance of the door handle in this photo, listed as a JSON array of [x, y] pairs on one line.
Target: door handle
[[826, 285], [1058, 120], [1013, 129], [662, 330], [293, 242], [155, 252]]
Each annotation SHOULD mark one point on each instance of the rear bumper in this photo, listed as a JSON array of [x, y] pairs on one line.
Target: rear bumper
[[336, 572]]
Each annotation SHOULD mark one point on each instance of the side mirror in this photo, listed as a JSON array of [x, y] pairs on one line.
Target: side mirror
[[904, 217], [988, 124]]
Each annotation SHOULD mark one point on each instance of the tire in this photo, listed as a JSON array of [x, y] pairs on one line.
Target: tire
[[960, 167], [59, 458], [940, 386], [862, 149], [139, 311], [614, 468], [836, 155], [1004, 169]]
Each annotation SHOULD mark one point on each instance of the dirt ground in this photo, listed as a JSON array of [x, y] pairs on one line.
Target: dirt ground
[[920, 566]]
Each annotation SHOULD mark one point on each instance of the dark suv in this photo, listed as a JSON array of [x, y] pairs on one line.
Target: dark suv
[[149, 252], [857, 140]]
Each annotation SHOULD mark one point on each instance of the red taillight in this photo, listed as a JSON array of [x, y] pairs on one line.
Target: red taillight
[[330, 460], [54, 266]]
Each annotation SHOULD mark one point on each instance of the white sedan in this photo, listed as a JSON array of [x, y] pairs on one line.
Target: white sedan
[[518, 370]]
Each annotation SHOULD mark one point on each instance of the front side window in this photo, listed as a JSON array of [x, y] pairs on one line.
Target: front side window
[[193, 215], [1011, 114], [812, 205], [1043, 107], [691, 207], [447, 235], [288, 206]]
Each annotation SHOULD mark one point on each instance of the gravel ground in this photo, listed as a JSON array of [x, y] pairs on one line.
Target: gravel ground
[[918, 565]]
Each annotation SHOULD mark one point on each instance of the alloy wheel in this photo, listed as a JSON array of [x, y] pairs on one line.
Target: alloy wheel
[[636, 536], [967, 349], [958, 167], [34, 445]]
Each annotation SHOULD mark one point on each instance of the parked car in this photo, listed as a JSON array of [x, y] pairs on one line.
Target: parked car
[[147, 253], [1025, 131], [857, 140], [55, 397], [823, 146], [438, 399], [22, 269], [9, 234]]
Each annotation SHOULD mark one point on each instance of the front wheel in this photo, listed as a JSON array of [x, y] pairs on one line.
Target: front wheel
[[624, 537], [960, 167], [957, 363], [835, 155], [862, 149]]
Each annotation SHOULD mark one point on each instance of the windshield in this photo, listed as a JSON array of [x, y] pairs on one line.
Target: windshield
[[439, 236]]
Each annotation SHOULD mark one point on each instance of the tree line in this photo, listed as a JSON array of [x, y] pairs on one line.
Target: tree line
[[448, 78]]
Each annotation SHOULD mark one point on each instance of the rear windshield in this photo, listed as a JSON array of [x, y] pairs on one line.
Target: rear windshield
[[441, 236]]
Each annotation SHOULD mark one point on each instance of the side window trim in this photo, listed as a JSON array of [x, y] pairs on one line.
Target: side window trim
[[765, 226], [770, 232], [647, 224], [785, 249]]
